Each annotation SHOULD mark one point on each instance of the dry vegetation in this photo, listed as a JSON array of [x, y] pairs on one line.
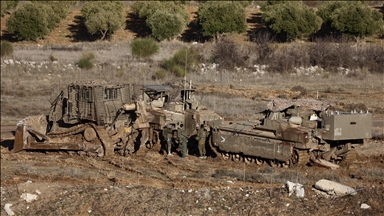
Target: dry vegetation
[[152, 184]]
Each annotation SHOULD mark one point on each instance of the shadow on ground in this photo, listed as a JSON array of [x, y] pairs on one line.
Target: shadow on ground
[[79, 31], [137, 26]]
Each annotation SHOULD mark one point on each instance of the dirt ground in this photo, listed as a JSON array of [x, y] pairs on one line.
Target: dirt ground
[[150, 183]]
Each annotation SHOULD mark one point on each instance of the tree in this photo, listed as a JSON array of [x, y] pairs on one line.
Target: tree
[[165, 19], [221, 17], [356, 19], [7, 5], [144, 9], [327, 8], [292, 20], [28, 23], [103, 18], [166, 25]]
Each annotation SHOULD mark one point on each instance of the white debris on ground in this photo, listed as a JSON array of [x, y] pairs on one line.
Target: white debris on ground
[[7, 208], [333, 188], [28, 197], [365, 206], [295, 187], [325, 163]]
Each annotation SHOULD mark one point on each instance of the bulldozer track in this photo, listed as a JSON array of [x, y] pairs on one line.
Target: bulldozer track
[[107, 142], [304, 157], [73, 130], [352, 156]]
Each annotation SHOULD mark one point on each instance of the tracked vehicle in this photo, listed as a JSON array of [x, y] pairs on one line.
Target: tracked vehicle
[[100, 119], [293, 132]]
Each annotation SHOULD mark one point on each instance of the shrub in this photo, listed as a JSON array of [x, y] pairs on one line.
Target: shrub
[[6, 48], [228, 55], [144, 47], [85, 61], [52, 57], [161, 73], [291, 20], [221, 17], [181, 61]]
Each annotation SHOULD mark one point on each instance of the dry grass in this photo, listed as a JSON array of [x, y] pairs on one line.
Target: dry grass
[[114, 63]]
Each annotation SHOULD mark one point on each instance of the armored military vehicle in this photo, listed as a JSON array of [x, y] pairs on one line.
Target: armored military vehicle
[[97, 118], [293, 132]]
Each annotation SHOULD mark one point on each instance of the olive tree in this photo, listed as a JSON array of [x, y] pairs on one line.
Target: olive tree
[[103, 18], [37, 18], [7, 5], [356, 18], [216, 18], [28, 22], [144, 9], [166, 25], [293, 20], [165, 19]]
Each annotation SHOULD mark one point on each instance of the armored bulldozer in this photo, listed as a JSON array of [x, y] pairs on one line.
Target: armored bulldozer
[[100, 119], [91, 117], [293, 132]]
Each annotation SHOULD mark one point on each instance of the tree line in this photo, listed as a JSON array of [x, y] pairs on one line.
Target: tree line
[[167, 20]]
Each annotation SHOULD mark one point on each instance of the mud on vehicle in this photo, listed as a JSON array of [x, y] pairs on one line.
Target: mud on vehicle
[[101, 119]]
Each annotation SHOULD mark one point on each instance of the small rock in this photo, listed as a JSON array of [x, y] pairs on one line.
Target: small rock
[[334, 188], [365, 206], [38, 192], [28, 197], [7, 208], [295, 187], [29, 182]]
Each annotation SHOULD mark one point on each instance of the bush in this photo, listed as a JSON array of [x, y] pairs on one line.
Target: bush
[[330, 56], [161, 74], [228, 55], [183, 60], [85, 61], [291, 20], [144, 47], [6, 48], [221, 17], [28, 23], [52, 57]]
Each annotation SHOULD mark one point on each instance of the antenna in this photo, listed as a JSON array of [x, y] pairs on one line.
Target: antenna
[[185, 76]]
